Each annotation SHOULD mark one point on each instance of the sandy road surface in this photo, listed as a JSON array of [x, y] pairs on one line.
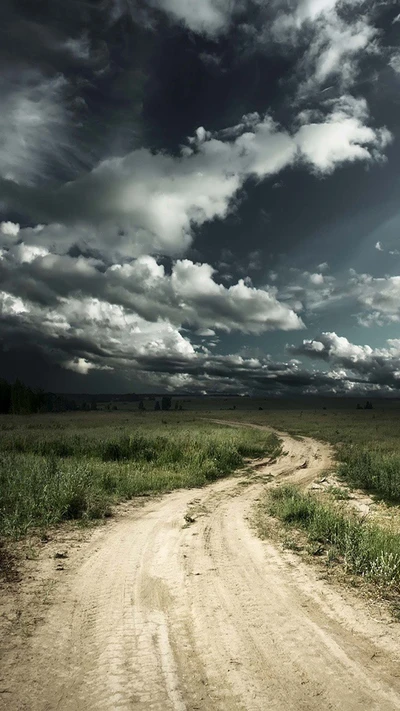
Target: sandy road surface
[[162, 616]]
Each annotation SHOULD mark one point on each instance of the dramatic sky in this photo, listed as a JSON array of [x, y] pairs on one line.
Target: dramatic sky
[[200, 195]]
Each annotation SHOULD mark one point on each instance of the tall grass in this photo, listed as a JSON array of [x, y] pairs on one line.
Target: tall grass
[[173, 446], [371, 469], [366, 549], [47, 476]]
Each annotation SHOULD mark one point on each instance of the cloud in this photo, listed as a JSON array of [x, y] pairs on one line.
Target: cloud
[[33, 124], [336, 50], [379, 247], [82, 366], [238, 306], [330, 38], [304, 11], [208, 17], [212, 61], [316, 279], [79, 47], [88, 330], [87, 316], [205, 332], [394, 62], [379, 367], [189, 296], [378, 295], [308, 291], [10, 229], [153, 202], [99, 280], [311, 293], [342, 137], [84, 334], [87, 335]]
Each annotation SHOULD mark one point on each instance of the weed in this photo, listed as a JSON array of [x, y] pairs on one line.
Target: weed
[[290, 544], [371, 469], [365, 549], [338, 493]]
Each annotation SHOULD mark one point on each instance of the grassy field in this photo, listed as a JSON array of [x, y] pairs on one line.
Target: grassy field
[[367, 442], [75, 466], [367, 447]]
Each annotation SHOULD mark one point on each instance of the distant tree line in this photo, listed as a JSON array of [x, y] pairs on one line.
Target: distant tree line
[[165, 405], [19, 399]]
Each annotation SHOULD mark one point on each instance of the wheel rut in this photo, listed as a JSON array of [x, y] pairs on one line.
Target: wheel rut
[[161, 614]]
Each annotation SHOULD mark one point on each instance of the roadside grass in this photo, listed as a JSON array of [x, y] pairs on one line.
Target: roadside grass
[[364, 548], [366, 442], [49, 474], [338, 493], [372, 470]]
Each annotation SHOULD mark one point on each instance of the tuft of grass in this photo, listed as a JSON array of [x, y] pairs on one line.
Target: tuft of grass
[[48, 475], [364, 548], [338, 493], [372, 470]]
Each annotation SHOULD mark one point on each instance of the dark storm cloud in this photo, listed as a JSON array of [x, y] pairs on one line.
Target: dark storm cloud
[[134, 129], [58, 63], [167, 362]]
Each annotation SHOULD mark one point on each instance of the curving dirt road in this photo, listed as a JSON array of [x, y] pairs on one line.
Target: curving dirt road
[[163, 614]]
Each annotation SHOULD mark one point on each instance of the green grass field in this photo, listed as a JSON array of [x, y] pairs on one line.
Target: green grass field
[[75, 466]]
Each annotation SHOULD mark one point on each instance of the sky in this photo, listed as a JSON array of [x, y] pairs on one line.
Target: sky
[[200, 196]]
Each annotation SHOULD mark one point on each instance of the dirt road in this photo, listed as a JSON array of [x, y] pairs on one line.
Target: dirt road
[[163, 614]]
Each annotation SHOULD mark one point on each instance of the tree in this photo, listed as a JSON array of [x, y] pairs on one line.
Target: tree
[[5, 396], [166, 402], [22, 399], [19, 399]]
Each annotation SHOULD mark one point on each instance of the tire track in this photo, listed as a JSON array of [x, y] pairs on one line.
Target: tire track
[[162, 616]]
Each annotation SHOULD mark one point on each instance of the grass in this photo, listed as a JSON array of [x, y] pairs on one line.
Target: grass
[[372, 470], [338, 493], [365, 549], [367, 442], [75, 467]]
